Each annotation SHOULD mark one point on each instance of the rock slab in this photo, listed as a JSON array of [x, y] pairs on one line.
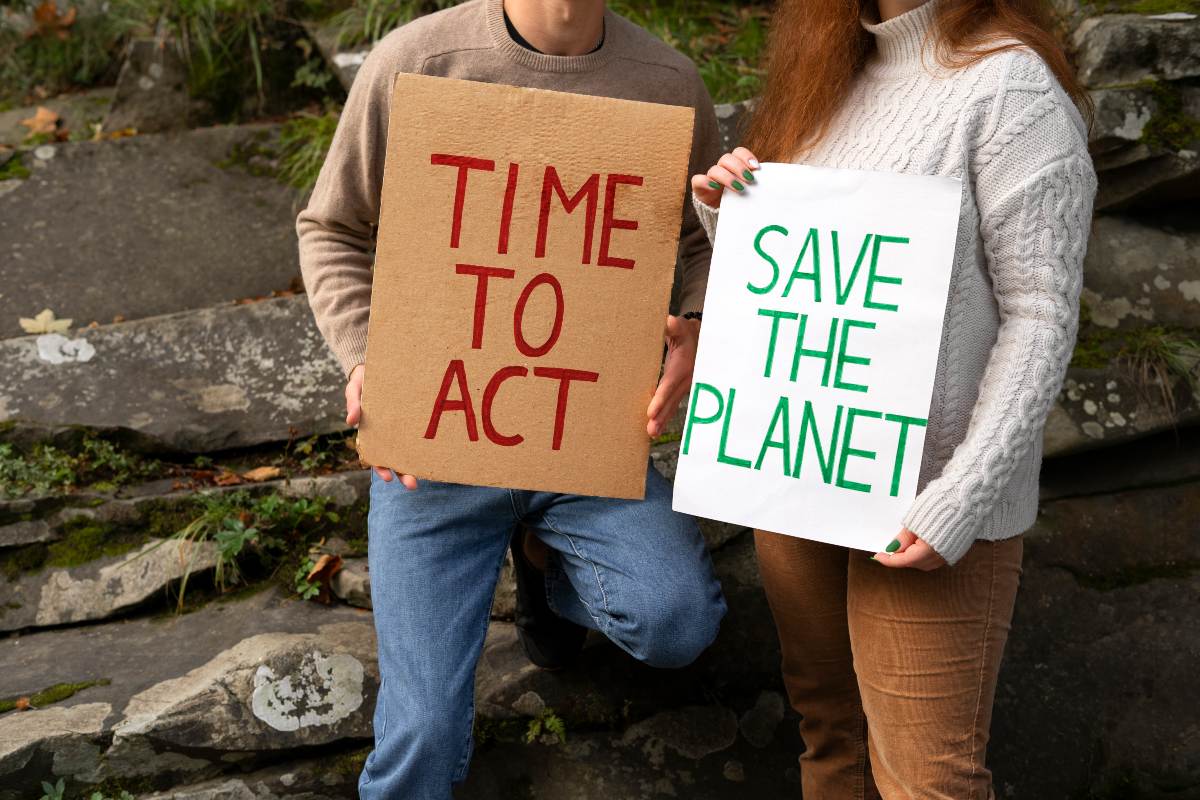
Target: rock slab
[[230, 376], [144, 226], [101, 588]]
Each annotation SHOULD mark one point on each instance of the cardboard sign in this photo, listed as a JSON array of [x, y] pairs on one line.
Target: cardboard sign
[[822, 326], [526, 252]]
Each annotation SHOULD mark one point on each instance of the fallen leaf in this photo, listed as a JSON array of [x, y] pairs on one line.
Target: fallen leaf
[[22, 704], [262, 474], [47, 21], [227, 478], [323, 571], [43, 121], [45, 322]]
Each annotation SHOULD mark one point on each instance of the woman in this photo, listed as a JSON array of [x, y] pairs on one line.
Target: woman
[[892, 658]]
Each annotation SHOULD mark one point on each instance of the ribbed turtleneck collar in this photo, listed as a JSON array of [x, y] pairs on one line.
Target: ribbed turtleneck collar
[[901, 41], [494, 9]]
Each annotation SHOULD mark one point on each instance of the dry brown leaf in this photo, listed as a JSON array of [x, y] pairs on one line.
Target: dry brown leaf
[[43, 121], [227, 478], [22, 704], [326, 566], [47, 21], [258, 474]]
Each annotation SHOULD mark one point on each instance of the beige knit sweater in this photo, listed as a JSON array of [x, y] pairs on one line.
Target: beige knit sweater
[[470, 41], [1007, 129]]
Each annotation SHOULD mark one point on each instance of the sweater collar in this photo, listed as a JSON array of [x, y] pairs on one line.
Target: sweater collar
[[901, 42], [494, 11]]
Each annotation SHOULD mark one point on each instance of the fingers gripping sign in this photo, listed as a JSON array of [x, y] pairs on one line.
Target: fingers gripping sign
[[734, 171], [354, 414]]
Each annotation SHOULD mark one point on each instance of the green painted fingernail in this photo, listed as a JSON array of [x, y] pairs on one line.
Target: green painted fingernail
[[893, 546], [714, 184], [737, 185], [873, 558], [749, 175]]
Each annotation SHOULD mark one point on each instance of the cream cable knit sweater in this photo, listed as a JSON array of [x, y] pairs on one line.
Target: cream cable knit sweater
[[1007, 129]]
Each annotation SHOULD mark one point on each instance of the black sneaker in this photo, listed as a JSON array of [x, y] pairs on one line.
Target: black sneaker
[[550, 641]]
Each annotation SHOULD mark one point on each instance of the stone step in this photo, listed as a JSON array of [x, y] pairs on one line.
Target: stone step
[[101, 588], [146, 225], [1137, 275], [250, 680], [199, 381], [76, 112], [183, 692], [72, 581], [1169, 457], [1102, 407], [1097, 693], [1095, 602], [43, 518]]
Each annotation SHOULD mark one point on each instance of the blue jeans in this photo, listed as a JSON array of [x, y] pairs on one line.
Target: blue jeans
[[632, 569]]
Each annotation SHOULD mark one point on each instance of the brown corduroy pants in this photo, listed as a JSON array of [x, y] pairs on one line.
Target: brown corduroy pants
[[893, 670]]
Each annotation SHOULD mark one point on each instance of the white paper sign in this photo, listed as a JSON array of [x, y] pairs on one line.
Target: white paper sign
[[822, 325]]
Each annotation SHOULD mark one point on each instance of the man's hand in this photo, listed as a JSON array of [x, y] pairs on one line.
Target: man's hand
[[354, 413], [911, 553], [682, 336]]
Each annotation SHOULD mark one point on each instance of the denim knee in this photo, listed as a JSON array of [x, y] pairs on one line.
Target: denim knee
[[676, 630]]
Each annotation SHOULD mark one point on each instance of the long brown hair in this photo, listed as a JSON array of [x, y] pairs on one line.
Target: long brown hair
[[816, 47]]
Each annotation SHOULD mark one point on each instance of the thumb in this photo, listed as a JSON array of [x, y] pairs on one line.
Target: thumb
[[674, 326]]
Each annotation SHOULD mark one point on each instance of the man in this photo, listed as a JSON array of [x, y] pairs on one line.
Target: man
[[633, 570]]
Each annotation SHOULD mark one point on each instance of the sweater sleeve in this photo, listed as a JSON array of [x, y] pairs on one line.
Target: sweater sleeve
[[1034, 189], [695, 248], [337, 228], [707, 215]]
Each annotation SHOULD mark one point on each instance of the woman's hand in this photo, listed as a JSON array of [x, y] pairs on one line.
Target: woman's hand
[[907, 550], [354, 413], [734, 171]]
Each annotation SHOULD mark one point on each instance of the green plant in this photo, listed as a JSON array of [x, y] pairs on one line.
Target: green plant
[[1171, 127], [239, 526], [54, 791], [1156, 356], [369, 21], [123, 795], [51, 694], [546, 723], [303, 143], [724, 40], [312, 74], [92, 461], [220, 38], [55, 48], [304, 587], [1150, 6], [14, 168]]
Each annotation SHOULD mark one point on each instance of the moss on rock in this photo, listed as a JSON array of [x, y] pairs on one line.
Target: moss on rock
[[1170, 127], [86, 539], [51, 694]]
